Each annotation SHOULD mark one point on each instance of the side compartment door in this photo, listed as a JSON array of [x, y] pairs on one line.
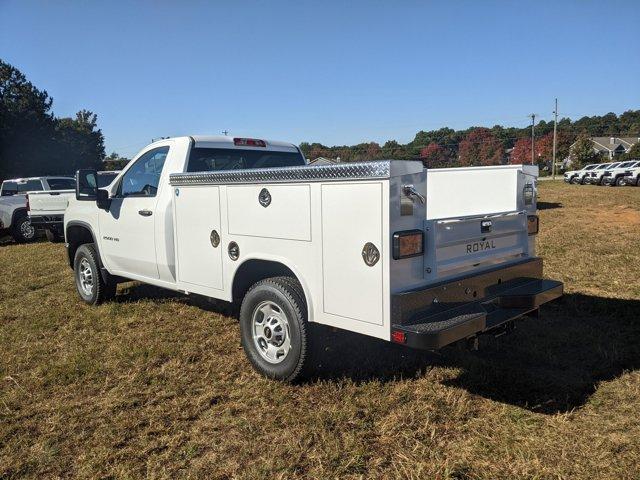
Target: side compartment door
[[198, 236], [352, 217]]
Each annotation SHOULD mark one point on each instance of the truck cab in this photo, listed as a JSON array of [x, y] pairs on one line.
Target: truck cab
[[423, 258]]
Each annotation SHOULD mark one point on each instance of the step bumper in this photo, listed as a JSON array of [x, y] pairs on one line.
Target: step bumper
[[440, 315]]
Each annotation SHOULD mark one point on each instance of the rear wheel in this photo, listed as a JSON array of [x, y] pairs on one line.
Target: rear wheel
[[22, 231], [273, 326], [89, 282]]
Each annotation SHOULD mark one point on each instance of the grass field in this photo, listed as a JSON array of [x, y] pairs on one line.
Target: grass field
[[156, 385]]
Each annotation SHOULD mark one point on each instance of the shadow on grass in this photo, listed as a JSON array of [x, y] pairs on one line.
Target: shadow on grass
[[549, 205], [548, 364]]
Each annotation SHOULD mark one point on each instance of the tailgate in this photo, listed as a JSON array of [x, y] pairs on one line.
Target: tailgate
[[48, 202], [477, 217], [464, 244]]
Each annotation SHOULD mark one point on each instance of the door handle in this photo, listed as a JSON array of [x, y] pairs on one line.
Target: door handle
[[145, 213]]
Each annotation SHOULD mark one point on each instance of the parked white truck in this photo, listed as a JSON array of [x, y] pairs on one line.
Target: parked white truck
[[632, 175], [422, 258], [616, 176], [46, 208], [14, 204], [578, 176]]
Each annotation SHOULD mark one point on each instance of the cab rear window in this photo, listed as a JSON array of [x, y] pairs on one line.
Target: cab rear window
[[214, 159], [61, 183]]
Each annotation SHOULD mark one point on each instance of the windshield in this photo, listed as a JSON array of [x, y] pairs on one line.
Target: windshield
[[61, 183], [105, 179], [625, 164], [603, 166], [590, 167], [613, 165], [212, 159]]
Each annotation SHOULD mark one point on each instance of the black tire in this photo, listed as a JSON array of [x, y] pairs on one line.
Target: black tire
[[100, 291], [619, 181], [285, 295], [53, 237], [21, 229]]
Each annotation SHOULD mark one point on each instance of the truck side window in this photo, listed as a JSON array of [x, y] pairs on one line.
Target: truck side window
[[142, 179]]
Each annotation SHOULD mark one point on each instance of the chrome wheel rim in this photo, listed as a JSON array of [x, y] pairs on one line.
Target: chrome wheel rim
[[27, 230], [271, 335], [85, 277]]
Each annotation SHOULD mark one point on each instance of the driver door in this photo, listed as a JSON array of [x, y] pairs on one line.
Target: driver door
[[127, 228]]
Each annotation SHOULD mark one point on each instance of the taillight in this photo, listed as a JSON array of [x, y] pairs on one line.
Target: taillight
[[398, 336], [533, 224], [528, 193], [28, 207], [409, 243], [249, 142]]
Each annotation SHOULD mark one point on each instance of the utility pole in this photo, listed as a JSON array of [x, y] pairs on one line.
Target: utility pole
[[533, 138], [555, 132]]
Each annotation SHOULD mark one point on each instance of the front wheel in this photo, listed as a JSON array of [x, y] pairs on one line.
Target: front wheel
[[620, 181], [89, 282], [22, 231], [273, 327]]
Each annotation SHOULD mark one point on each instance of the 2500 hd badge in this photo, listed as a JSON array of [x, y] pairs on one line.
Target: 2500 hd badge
[[480, 246]]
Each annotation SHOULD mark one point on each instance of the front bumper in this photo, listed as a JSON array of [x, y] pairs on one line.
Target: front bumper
[[630, 180], [437, 316]]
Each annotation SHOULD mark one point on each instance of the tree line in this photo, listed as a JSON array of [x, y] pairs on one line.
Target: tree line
[[446, 147], [33, 141]]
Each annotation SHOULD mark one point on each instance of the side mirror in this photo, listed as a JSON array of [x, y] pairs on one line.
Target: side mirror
[[102, 200], [86, 185]]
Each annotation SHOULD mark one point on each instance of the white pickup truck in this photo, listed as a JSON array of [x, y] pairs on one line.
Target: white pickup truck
[[14, 203], [422, 258], [46, 208]]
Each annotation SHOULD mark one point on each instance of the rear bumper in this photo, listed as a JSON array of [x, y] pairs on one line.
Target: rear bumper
[[440, 315], [47, 221]]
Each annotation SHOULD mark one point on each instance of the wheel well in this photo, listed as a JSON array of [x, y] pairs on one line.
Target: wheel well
[[77, 235], [18, 213], [253, 271]]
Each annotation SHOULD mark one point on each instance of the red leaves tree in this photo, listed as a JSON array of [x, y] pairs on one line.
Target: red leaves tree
[[521, 153], [434, 155], [480, 147]]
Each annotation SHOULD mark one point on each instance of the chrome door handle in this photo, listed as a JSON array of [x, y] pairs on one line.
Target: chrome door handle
[[145, 213]]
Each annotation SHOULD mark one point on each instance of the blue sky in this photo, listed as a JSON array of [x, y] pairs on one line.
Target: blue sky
[[332, 72]]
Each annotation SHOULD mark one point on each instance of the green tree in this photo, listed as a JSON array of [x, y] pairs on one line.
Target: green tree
[[33, 141], [632, 154], [582, 152]]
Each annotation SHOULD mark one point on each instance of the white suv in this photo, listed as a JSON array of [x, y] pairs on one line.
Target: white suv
[[632, 175], [577, 176], [616, 176], [595, 177]]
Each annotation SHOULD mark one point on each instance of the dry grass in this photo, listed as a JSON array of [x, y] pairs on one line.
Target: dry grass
[[155, 385]]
